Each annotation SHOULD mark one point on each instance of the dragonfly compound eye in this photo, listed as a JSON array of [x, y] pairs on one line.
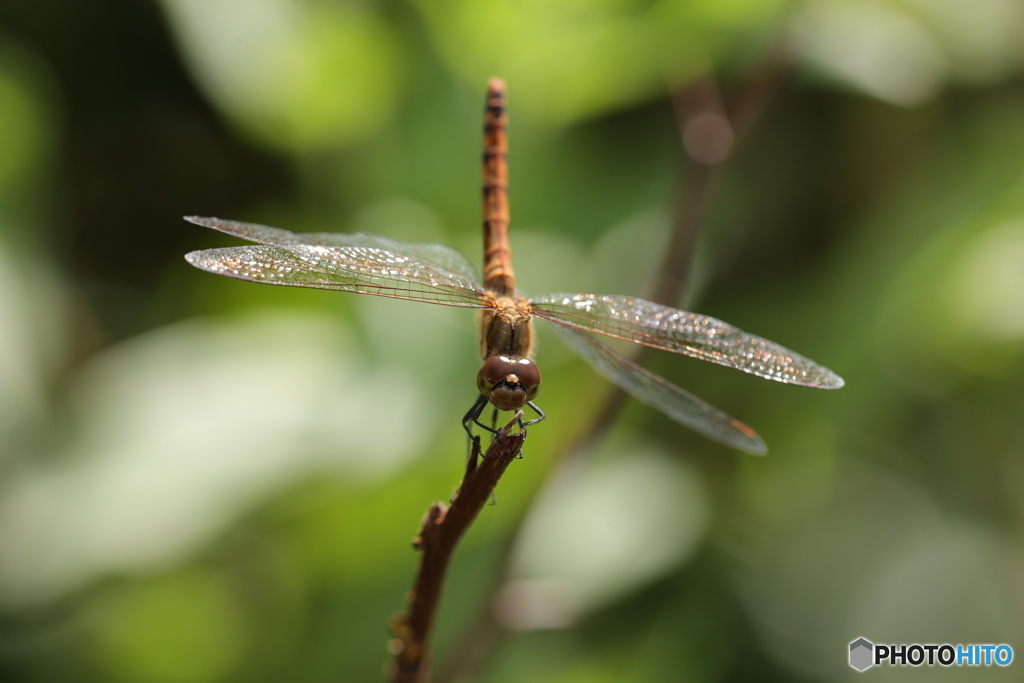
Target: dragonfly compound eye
[[508, 382], [529, 375], [495, 369]]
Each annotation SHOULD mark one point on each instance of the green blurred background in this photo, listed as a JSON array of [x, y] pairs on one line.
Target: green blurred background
[[208, 480]]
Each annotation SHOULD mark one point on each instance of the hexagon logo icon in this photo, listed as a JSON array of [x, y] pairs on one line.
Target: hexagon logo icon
[[861, 654]]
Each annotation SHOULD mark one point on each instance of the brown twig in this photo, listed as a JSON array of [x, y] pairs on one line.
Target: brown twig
[[698, 180], [443, 527]]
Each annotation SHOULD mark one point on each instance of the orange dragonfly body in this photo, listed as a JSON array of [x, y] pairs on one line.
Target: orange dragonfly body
[[509, 379]]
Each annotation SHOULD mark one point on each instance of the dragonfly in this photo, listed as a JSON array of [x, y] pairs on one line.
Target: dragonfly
[[509, 379]]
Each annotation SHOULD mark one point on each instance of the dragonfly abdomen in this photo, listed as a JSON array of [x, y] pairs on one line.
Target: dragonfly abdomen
[[498, 274]]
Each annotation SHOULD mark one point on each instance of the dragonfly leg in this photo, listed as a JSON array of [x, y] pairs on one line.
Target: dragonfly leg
[[472, 417], [523, 425], [540, 415]]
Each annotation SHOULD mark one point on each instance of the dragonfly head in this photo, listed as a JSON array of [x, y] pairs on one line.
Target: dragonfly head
[[508, 382]]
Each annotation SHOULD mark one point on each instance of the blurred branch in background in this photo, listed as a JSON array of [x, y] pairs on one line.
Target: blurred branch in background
[[710, 129]]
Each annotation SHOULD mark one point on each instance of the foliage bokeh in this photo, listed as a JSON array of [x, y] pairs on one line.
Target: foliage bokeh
[[205, 480]]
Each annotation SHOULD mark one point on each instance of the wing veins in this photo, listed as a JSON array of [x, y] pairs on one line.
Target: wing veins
[[656, 391], [671, 329], [350, 269]]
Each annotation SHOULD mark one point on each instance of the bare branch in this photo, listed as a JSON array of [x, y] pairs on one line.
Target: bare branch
[[443, 527]]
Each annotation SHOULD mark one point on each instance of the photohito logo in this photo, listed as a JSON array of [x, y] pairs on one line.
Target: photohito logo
[[864, 654]]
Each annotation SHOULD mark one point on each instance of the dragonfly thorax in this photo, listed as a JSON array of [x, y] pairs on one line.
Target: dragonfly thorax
[[508, 382], [506, 328]]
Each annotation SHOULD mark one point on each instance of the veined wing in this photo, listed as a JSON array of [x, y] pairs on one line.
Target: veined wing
[[351, 268], [437, 255], [691, 334], [658, 392]]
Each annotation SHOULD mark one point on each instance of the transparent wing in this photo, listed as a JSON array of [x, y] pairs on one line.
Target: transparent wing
[[437, 255], [658, 392], [691, 334], [352, 268]]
